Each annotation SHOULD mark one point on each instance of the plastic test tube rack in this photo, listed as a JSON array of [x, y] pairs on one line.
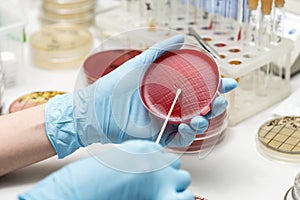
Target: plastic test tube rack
[[263, 75]]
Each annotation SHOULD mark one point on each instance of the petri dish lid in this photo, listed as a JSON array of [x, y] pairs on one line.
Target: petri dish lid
[[101, 63], [193, 71], [73, 8], [77, 18], [279, 138], [66, 1], [61, 38]]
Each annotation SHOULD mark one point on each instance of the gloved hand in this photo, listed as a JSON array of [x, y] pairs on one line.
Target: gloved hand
[[138, 169], [110, 110]]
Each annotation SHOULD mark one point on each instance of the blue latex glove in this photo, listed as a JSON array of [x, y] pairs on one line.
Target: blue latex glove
[[146, 173], [110, 110]]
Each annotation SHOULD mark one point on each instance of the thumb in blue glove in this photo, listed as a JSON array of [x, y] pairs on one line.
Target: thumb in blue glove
[[136, 170]]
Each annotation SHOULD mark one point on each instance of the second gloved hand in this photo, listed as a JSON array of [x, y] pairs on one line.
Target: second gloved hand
[[136, 170]]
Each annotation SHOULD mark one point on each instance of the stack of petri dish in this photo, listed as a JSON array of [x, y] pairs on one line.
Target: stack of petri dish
[[81, 12], [213, 135], [60, 46]]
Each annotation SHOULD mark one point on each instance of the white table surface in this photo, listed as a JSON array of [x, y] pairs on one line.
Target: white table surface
[[235, 169]]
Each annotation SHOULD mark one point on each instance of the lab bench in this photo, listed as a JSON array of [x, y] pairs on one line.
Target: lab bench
[[235, 169]]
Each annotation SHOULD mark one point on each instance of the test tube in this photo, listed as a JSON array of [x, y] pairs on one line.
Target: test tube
[[204, 15], [179, 21], [278, 22], [150, 21], [219, 26], [265, 25], [276, 70], [164, 13], [252, 21], [192, 9], [264, 41], [242, 14], [235, 11]]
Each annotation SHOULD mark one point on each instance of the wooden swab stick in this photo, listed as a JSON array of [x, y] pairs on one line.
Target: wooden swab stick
[[168, 116]]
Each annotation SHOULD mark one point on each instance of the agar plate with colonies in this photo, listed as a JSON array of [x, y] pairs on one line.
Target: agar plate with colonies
[[193, 71], [32, 99], [280, 138], [60, 46]]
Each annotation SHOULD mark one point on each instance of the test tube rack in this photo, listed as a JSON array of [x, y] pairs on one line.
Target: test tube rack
[[263, 75]]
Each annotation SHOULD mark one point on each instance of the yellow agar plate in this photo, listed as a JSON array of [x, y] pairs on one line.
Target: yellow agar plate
[[60, 46], [32, 99]]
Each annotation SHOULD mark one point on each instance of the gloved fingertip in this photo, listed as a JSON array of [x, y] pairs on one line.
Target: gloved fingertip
[[228, 84], [219, 106], [199, 123], [183, 180], [182, 127], [220, 102]]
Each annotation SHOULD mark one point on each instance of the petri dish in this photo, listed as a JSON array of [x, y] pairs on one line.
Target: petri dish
[[69, 8], [32, 99], [193, 71], [60, 46], [83, 19], [279, 138], [64, 1], [214, 134], [101, 63]]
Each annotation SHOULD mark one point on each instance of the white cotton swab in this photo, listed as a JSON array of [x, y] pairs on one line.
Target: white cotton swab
[[168, 116]]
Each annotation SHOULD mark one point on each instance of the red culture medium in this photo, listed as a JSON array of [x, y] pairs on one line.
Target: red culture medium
[[101, 63], [193, 71]]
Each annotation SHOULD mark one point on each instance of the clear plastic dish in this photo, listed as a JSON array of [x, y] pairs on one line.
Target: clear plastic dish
[[60, 46], [85, 18], [65, 1], [69, 8]]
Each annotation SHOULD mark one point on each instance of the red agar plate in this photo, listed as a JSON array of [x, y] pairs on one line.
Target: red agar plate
[[101, 63], [193, 71]]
